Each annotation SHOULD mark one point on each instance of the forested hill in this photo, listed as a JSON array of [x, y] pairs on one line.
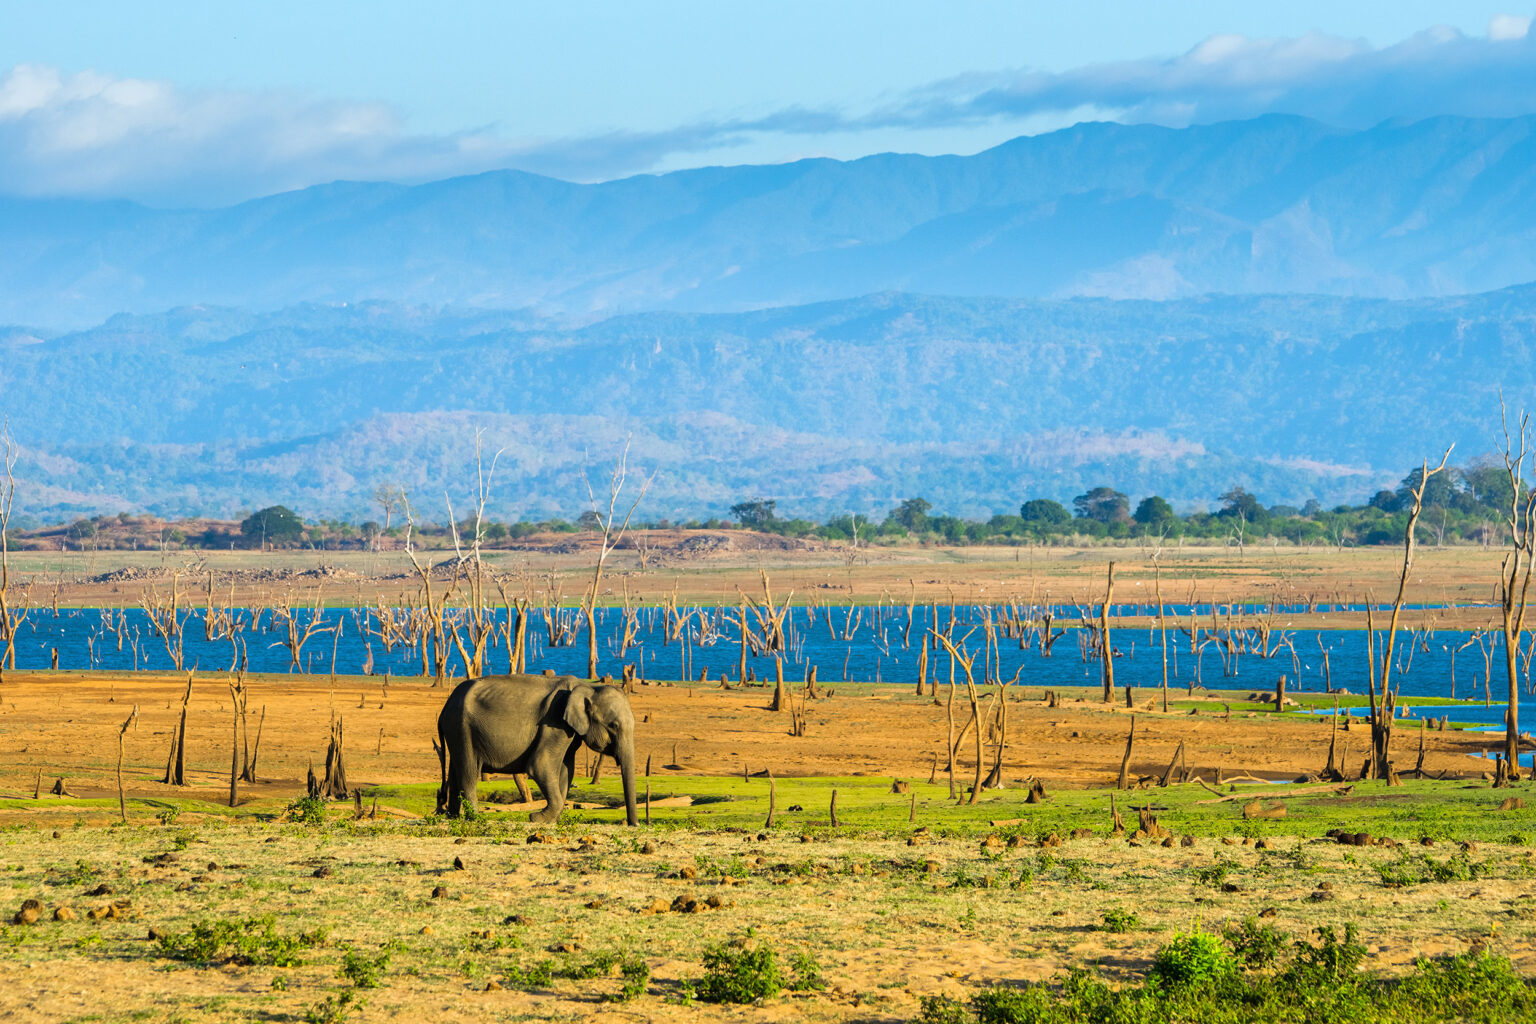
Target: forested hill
[[1273, 204], [974, 404]]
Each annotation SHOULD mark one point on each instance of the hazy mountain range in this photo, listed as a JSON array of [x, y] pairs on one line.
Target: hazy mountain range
[[1275, 204], [1277, 303], [975, 404]]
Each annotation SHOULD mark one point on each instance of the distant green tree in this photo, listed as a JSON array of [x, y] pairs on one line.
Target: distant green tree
[[589, 521], [1043, 513], [1103, 505], [912, 514], [276, 524], [1238, 503], [1440, 490], [754, 514], [1489, 487], [1386, 501], [82, 529], [1155, 513]]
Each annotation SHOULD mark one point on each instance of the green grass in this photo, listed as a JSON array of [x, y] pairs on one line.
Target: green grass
[[1441, 811]]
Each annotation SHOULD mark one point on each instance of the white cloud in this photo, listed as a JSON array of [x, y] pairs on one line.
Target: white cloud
[[1505, 27], [93, 135]]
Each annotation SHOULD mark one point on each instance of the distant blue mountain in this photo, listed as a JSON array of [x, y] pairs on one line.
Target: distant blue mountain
[[1272, 205], [975, 404]]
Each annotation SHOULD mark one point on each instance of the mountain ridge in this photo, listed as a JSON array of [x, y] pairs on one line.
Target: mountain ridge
[[1274, 204], [842, 405]]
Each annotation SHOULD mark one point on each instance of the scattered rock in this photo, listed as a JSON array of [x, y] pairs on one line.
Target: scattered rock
[[458, 863], [1263, 844], [914, 840], [1319, 896], [566, 947], [64, 914], [657, 906], [1512, 803], [427, 929], [594, 904], [1051, 840], [1169, 842], [154, 934], [517, 919], [1186, 840], [213, 866], [323, 871], [1268, 912], [1326, 886], [539, 837], [28, 914], [1231, 887], [439, 891], [716, 902], [647, 847], [687, 905], [493, 986], [931, 867], [687, 871], [101, 890]]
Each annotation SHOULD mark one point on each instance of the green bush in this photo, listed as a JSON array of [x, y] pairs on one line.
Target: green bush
[[1191, 960], [254, 941], [361, 969], [807, 974], [306, 810], [636, 974], [537, 976], [1255, 945], [944, 1010], [1119, 921], [739, 975]]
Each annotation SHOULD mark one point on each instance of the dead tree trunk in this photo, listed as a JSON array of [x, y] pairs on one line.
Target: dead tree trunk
[[1106, 649], [1125, 762], [176, 763]]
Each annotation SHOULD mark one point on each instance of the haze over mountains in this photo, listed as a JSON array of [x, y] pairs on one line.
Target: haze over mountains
[[1274, 303], [975, 404], [1274, 204]]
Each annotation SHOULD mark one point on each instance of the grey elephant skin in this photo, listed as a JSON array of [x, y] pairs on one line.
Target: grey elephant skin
[[532, 725]]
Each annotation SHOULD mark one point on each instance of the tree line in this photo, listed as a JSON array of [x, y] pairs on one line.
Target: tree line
[[1461, 505]]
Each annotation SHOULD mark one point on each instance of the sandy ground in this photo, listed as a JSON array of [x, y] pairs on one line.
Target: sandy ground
[[66, 724]]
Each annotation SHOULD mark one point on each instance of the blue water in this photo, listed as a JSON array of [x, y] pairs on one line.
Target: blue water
[[858, 644]]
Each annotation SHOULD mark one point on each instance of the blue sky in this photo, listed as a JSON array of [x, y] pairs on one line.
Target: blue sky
[[203, 102]]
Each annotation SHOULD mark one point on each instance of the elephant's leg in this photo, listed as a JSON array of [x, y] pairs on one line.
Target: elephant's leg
[[547, 771], [463, 780], [522, 788], [568, 770]]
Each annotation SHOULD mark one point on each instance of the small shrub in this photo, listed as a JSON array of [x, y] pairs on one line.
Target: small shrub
[[1119, 921], [1255, 945], [807, 974], [636, 974], [1191, 960], [537, 976], [1331, 960], [944, 1010], [1214, 875], [739, 975], [254, 941], [334, 1010], [361, 969], [1010, 1005], [306, 810]]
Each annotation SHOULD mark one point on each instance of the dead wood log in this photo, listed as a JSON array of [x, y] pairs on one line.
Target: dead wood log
[[1125, 761]]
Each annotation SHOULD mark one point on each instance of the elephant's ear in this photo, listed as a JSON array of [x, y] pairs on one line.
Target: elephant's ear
[[577, 705]]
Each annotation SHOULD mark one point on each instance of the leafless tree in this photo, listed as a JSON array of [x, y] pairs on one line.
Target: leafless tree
[[613, 531], [390, 498], [1515, 573], [10, 616], [1382, 712], [481, 624]]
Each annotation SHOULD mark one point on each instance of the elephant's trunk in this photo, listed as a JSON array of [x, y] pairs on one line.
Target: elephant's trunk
[[626, 760]]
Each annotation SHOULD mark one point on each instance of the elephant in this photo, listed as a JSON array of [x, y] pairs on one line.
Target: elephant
[[531, 725]]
